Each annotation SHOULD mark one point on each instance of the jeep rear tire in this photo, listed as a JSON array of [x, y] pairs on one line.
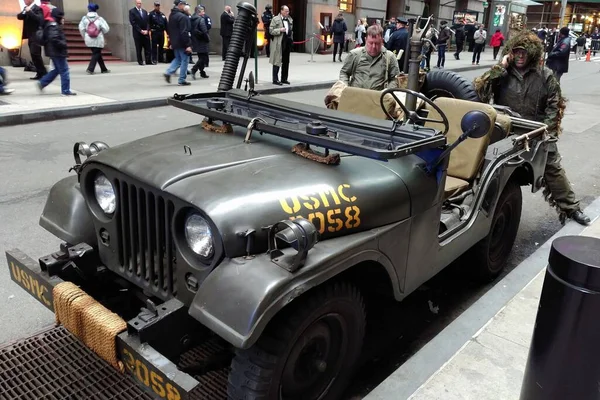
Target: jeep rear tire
[[309, 351], [488, 257], [444, 83]]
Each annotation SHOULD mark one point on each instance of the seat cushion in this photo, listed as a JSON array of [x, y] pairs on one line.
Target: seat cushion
[[466, 158], [365, 102], [454, 186], [502, 128]]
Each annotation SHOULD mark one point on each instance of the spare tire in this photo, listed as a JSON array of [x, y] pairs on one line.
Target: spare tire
[[444, 83]]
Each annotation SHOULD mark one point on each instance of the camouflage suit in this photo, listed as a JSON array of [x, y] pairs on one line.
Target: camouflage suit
[[536, 95]]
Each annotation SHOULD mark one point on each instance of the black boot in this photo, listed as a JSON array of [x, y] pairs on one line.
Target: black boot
[[276, 75], [580, 218]]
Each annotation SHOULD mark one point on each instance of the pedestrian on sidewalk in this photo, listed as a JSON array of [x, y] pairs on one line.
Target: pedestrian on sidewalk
[[3, 89], [33, 17], [179, 34], [158, 26], [266, 18], [227, 20], [399, 41], [442, 42], [521, 83], [200, 42], [580, 46], [558, 59], [56, 49], [282, 28], [496, 42], [460, 40], [479, 37], [92, 28], [140, 24], [338, 29], [361, 32]]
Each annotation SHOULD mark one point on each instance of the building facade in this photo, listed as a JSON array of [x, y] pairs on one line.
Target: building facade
[[309, 18]]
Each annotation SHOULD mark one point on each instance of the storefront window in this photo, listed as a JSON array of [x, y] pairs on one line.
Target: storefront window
[[346, 5]]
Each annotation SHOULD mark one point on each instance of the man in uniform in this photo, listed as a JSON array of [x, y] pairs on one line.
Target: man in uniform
[[521, 83], [158, 25], [399, 41], [372, 66], [267, 16]]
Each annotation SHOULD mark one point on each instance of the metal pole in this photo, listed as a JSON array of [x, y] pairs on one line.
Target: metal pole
[[256, 48], [563, 10], [312, 48], [564, 357]]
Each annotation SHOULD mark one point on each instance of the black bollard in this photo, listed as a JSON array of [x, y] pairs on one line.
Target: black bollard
[[564, 357]]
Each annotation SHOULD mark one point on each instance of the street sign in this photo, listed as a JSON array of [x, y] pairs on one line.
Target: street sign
[[485, 4]]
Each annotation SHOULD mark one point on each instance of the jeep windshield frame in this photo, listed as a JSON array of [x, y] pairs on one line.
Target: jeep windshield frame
[[347, 133]]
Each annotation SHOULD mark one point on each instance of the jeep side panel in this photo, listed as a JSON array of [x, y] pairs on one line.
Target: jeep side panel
[[66, 214], [241, 296]]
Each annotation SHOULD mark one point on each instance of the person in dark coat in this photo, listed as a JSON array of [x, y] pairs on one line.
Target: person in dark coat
[[227, 19], [179, 33], [33, 17], [267, 16], [200, 41], [399, 40], [56, 49], [558, 59], [140, 23], [338, 30], [158, 27], [459, 36]]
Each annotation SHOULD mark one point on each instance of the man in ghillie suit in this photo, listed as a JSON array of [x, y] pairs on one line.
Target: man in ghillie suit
[[520, 83]]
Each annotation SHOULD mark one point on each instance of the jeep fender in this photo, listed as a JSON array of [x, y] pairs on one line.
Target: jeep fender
[[241, 296], [66, 214]]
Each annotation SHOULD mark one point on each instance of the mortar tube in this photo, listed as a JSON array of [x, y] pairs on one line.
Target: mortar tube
[[242, 27]]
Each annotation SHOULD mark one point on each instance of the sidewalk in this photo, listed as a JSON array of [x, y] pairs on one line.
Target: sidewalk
[[130, 83], [490, 362]]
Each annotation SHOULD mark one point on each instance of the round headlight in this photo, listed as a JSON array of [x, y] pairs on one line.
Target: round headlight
[[105, 194], [199, 236]]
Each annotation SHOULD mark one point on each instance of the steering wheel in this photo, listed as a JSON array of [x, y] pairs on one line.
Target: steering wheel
[[412, 116]]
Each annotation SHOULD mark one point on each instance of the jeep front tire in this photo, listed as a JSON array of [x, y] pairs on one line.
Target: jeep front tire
[[308, 351]]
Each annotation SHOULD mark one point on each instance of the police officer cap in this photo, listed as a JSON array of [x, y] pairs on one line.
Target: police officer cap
[[157, 3], [268, 7], [178, 2], [402, 20]]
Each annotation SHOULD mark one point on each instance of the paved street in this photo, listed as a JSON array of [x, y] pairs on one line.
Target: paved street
[[34, 156]]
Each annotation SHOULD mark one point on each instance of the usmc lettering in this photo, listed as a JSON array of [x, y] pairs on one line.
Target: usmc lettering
[[30, 283], [330, 210]]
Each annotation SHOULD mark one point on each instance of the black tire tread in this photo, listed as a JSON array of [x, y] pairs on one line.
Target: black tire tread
[[252, 369], [477, 255]]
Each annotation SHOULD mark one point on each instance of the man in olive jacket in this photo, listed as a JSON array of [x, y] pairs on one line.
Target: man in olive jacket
[[281, 29], [372, 66]]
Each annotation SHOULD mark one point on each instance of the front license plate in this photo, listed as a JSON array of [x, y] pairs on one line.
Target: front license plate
[[153, 371], [27, 273]]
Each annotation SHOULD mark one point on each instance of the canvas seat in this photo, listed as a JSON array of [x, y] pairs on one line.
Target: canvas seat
[[365, 102], [502, 128], [466, 159]]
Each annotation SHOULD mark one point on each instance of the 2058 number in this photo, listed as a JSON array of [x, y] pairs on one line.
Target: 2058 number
[[150, 378]]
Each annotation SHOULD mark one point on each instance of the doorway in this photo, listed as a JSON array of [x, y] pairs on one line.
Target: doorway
[[298, 14]]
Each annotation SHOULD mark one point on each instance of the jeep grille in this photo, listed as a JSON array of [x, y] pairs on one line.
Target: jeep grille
[[146, 249]]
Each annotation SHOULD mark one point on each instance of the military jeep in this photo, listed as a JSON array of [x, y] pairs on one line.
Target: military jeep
[[259, 230]]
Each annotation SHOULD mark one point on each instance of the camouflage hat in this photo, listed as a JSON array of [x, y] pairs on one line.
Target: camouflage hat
[[528, 41]]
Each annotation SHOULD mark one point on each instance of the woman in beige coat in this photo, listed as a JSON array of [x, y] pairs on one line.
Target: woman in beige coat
[[281, 29]]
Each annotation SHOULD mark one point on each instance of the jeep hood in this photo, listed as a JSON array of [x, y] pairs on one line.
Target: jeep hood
[[249, 186]]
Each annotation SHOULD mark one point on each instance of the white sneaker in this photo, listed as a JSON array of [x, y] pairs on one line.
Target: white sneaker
[[6, 92]]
